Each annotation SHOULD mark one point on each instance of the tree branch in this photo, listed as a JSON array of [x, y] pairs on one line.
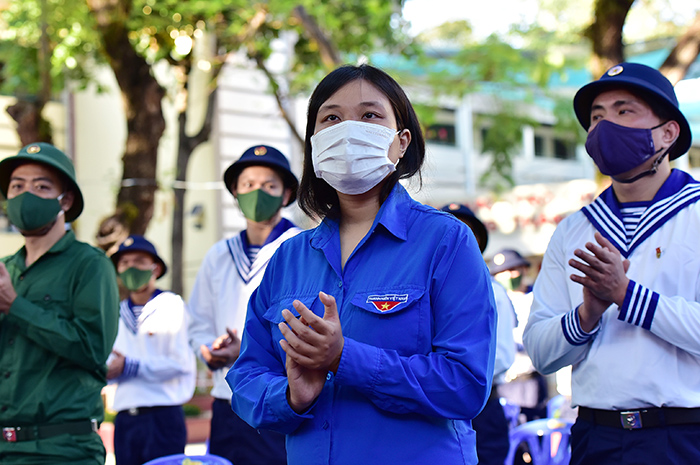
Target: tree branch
[[280, 99], [683, 54], [329, 55]]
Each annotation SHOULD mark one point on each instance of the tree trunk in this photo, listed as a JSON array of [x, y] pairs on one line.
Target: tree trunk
[[683, 54], [605, 34], [178, 233], [31, 125], [186, 146], [27, 113], [142, 98]]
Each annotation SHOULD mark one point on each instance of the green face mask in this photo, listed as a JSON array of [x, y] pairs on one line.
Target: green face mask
[[259, 205], [515, 282], [134, 278], [29, 212]]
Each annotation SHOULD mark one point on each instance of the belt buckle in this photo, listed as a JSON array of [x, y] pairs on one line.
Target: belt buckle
[[9, 434], [94, 426], [133, 411], [631, 419]]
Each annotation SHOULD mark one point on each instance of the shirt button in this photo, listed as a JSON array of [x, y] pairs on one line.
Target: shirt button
[[325, 425], [329, 376], [7, 375], [47, 297], [21, 278], [340, 284], [4, 408]]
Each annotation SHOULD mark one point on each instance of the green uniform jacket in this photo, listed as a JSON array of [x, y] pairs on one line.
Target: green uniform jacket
[[57, 336]]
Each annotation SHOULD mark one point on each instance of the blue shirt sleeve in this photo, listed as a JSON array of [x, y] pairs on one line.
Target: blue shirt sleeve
[[258, 379]]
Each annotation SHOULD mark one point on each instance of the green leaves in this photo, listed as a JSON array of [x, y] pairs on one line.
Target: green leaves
[[68, 38]]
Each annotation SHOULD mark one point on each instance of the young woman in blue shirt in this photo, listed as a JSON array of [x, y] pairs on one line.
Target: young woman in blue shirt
[[371, 338]]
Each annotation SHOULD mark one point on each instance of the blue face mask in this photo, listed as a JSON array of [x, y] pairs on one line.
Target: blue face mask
[[617, 149]]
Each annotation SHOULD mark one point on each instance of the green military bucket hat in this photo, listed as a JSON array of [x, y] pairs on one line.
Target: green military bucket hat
[[46, 154]]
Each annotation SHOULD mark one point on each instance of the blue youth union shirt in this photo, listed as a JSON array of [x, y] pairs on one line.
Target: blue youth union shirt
[[418, 316]]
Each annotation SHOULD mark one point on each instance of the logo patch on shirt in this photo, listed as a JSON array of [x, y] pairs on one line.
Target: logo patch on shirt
[[386, 302]]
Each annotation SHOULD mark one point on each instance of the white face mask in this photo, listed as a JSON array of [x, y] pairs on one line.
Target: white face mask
[[352, 156]]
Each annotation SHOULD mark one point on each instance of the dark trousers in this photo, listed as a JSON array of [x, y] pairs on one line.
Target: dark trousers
[[602, 445], [151, 434], [242, 444], [491, 428]]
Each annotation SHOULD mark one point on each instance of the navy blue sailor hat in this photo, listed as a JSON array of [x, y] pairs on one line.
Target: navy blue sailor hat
[[506, 259], [640, 79], [136, 243], [465, 214], [263, 155]]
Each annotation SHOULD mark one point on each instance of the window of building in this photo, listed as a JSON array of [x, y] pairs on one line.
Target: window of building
[[564, 149], [539, 146], [442, 130], [551, 145]]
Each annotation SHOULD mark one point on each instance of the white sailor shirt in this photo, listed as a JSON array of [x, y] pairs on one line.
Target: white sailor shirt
[[222, 289], [645, 353], [160, 368]]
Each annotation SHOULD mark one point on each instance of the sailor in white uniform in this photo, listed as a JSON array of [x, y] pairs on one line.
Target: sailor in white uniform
[[619, 290], [151, 361], [262, 183]]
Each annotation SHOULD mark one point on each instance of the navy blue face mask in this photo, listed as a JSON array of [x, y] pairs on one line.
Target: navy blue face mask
[[617, 149]]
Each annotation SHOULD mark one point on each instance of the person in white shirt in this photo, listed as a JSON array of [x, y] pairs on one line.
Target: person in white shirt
[[491, 425], [262, 183], [618, 294], [150, 361]]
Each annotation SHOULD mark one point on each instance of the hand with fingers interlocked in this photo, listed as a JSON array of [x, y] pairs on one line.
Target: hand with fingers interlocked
[[604, 279], [313, 346]]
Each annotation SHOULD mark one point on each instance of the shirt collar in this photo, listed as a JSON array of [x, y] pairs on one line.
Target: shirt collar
[[61, 245], [64, 242], [279, 229], [675, 182], [677, 192], [392, 216]]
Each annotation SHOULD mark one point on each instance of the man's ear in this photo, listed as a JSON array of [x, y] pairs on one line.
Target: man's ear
[[67, 200], [286, 196], [671, 131]]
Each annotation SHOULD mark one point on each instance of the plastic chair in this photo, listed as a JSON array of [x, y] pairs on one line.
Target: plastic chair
[[547, 440], [182, 459], [512, 412], [555, 406]]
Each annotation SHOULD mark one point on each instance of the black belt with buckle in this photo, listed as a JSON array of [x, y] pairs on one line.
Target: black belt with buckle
[[643, 418], [135, 411], [32, 433]]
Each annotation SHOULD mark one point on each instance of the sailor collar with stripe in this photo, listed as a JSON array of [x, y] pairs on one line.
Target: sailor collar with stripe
[[128, 316], [679, 191], [238, 245]]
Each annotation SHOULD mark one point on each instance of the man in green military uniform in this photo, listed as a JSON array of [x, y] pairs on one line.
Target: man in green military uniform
[[58, 318]]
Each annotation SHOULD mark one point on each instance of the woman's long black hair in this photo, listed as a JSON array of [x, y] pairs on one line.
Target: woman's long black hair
[[315, 196]]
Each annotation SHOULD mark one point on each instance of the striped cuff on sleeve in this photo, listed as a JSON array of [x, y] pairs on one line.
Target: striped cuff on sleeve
[[131, 368], [574, 334], [639, 306]]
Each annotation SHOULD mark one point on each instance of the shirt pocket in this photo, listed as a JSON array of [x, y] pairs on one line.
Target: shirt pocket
[[55, 299], [392, 318], [273, 314]]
